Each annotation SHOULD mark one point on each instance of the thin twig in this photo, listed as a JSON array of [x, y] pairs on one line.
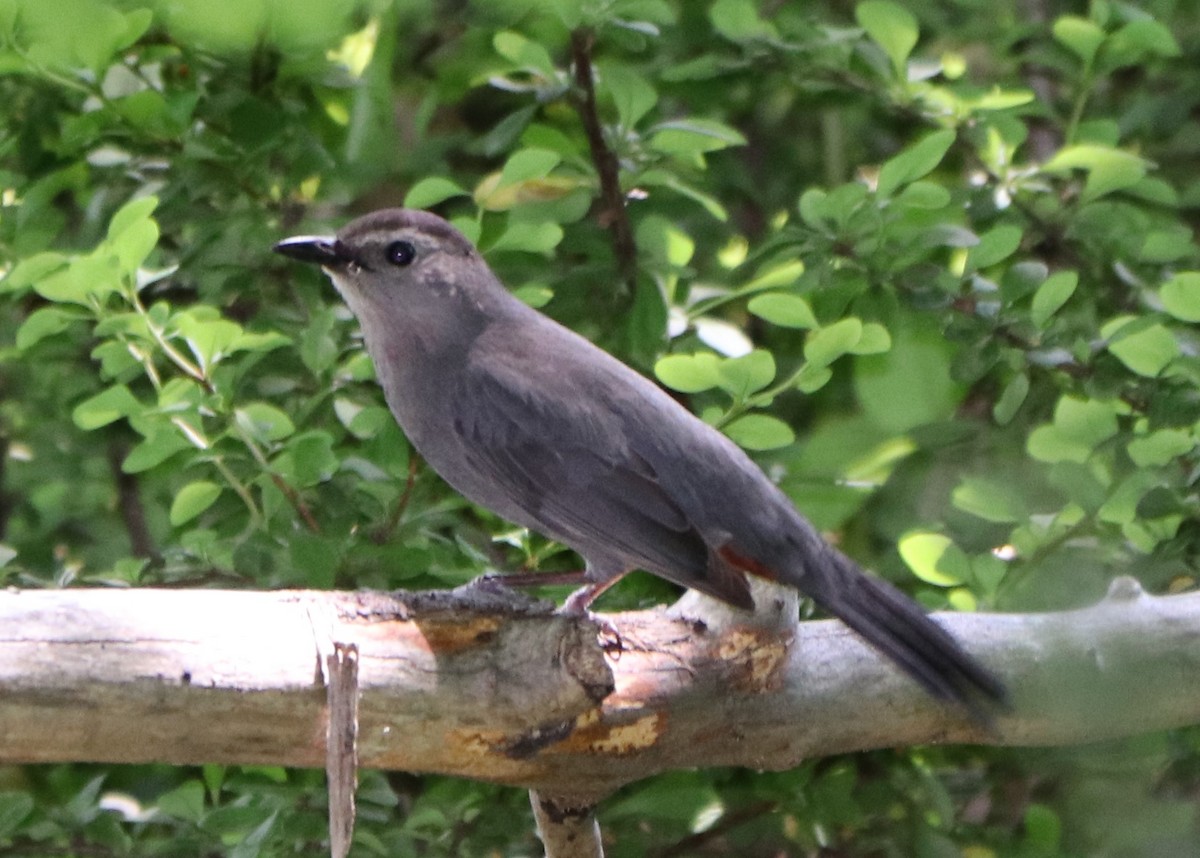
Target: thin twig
[[289, 491], [383, 534], [296, 501], [613, 215]]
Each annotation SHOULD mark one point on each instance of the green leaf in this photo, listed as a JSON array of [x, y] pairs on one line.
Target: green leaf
[[209, 339], [536, 295], [1109, 169], [161, 444], [527, 164], [1021, 279], [633, 96], [185, 802], [739, 21], [106, 407], [1003, 99], [365, 423], [264, 423], [1180, 297], [1137, 40], [689, 373], [935, 559], [991, 500], [432, 190], [760, 432], [915, 162], [780, 308], [308, 459], [1161, 447], [1011, 399], [529, 237], [524, 53], [1080, 425], [134, 243], [67, 285], [667, 179], [7, 554], [693, 136], [1168, 245], [133, 213], [1146, 351], [911, 384], [995, 245], [812, 378], [43, 323], [774, 276], [924, 195], [15, 806], [893, 28], [264, 342], [1051, 444], [875, 339], [1091, 421], [827, 344], [193, 499], [1054, 292], [30, 270], [742, 376], [1081, 36]]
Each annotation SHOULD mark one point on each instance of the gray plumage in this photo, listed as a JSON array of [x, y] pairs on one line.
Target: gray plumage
[[527, 418]]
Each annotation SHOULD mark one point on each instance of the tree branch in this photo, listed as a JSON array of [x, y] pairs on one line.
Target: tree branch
[[490, 686], [566, 830], [613, 215], [129, 504]]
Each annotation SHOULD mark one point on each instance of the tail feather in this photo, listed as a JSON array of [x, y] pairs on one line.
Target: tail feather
[[897, 627]]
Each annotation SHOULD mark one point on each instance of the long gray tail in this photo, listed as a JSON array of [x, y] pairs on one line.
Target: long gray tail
[[898, 627]]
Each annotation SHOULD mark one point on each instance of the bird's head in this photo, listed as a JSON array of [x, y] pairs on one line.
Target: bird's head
[[405, 272]]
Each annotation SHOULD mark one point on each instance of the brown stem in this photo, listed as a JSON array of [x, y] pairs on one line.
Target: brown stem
[[4, 502], [129, 505], [613, 215], [296, 501], [384, 533]]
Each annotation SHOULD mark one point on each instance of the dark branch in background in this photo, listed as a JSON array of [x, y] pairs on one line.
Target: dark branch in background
[[613, 216], [4, 506], [129, 505], [1044, 138]]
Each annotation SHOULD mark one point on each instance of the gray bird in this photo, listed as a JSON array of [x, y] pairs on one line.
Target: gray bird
[[529, 419]]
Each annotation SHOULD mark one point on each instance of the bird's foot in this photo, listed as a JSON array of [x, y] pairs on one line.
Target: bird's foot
[[578, 605]]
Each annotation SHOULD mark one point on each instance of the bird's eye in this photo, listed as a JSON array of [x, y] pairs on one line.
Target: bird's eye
[[400, 253]]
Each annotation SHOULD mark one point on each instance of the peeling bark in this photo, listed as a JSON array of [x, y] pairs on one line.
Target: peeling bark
[[491, 686]]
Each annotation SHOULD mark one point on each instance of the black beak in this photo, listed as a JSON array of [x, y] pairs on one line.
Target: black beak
[[323, 250]]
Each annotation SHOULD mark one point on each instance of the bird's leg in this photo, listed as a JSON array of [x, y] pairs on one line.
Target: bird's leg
[[577, 603]]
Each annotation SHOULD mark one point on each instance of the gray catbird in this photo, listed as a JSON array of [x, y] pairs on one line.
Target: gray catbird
[[529, 419]]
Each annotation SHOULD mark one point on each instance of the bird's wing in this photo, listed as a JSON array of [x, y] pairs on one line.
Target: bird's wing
[[561, 456]]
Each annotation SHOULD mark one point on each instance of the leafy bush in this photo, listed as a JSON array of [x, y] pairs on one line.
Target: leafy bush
[[935, 266]]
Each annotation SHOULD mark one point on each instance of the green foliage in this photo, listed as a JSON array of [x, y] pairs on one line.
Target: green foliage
[[953, 318]]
